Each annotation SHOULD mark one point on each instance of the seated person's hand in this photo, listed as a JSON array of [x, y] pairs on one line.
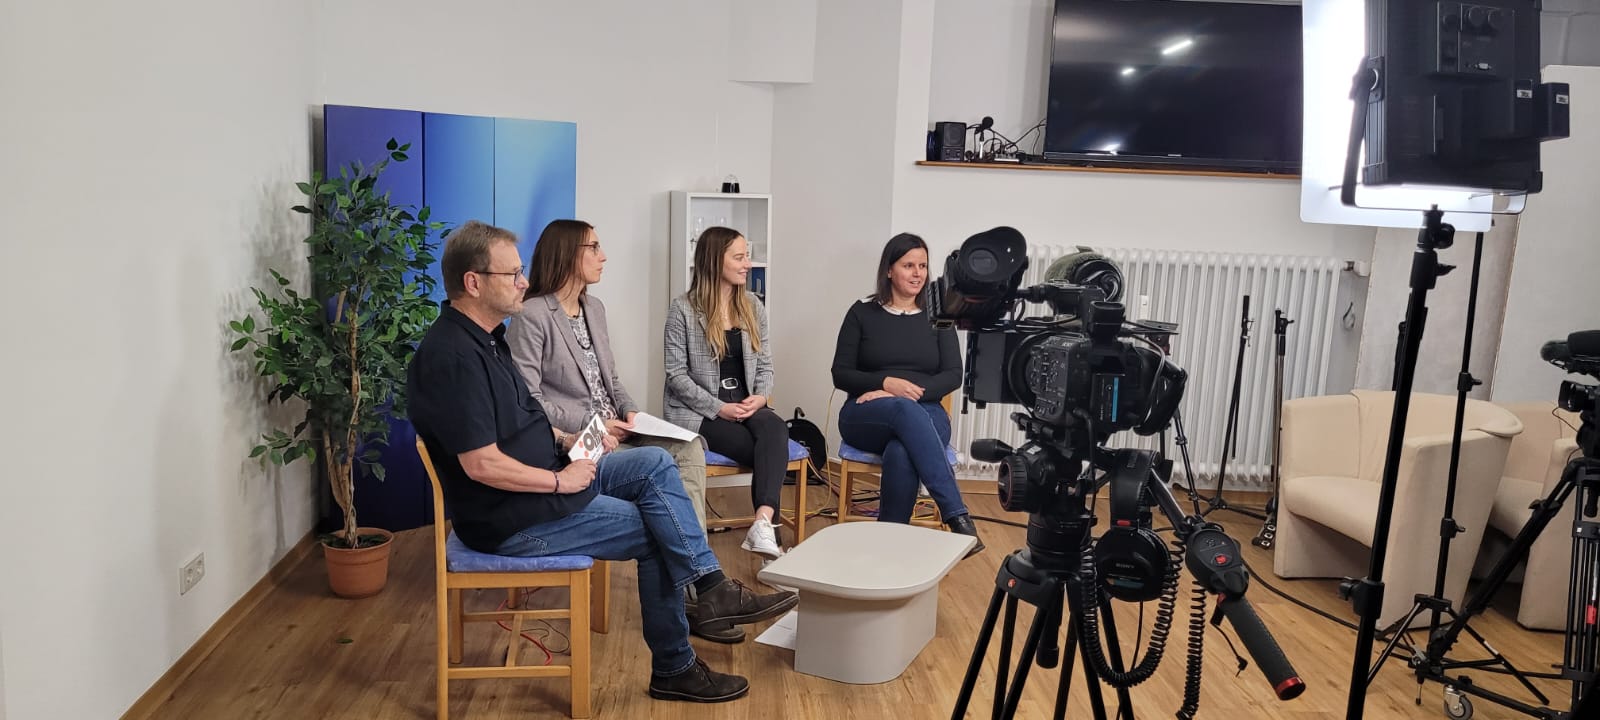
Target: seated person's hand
[[874, 395], [619, 430], [575, 478], [753, 403], [733, 412], [899, 387], [609, 442]]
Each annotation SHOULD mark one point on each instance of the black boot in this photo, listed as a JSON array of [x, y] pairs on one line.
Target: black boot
[[720, 632], [732, 602], [962, 524], [699, 684]]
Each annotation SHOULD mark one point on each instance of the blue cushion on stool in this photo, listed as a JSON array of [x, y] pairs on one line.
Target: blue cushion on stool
[[462, 559], [796, 452], [846, 452]]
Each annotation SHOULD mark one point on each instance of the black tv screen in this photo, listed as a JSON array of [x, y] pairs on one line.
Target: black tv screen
[[1213, 85]]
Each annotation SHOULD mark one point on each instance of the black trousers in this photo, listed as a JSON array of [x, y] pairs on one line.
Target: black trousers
[[759, 442]]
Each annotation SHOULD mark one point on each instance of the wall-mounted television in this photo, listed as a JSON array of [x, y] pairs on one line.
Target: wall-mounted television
[[1202, 85]]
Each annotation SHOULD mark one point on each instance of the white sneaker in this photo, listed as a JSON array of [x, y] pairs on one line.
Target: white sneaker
[[762, 539]]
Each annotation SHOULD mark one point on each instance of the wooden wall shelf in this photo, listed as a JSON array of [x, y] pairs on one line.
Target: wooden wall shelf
[[1121, 170]]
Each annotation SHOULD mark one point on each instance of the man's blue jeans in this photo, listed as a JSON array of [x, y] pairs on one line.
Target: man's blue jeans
[[642, 513], [912, 438]]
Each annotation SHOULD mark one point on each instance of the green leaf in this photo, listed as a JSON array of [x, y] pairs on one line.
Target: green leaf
[[249, 323], [399, 156], [301, 209], [257, 450], [393, 144], [241, 342]]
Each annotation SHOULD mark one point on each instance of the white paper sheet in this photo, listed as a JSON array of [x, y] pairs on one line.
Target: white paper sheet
[[782, 633], [647, 424]]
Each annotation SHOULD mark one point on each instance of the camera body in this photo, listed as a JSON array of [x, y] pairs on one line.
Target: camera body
[[1579, 354]]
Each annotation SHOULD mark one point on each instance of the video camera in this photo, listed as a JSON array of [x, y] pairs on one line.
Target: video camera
[[1082, 373], [1579, 354]]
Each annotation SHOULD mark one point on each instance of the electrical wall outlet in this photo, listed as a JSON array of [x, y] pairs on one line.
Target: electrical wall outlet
[[190, 575]]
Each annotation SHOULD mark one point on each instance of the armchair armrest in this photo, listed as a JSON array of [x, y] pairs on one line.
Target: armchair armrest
[[1562, 451]]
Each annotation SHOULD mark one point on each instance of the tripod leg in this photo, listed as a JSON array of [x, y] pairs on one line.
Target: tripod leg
[[1064, 686], [1511, 669], [978, 652], [1003, 663], [1030, 646], [1091, 680], [1113, 650]]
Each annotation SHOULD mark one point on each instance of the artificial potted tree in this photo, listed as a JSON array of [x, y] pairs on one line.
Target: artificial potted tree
[[343, 347]]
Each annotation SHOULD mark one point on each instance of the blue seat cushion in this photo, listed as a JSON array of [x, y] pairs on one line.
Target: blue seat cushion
[[856, 455], [796, 452], [458, 558]]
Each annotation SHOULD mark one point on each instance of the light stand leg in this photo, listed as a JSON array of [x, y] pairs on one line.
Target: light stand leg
[[1367, 593]]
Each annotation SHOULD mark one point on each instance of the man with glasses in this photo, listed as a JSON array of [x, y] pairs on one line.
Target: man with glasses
[[511, 490]]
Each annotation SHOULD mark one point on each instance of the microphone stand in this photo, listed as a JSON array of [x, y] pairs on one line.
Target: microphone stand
[[1269, 528]]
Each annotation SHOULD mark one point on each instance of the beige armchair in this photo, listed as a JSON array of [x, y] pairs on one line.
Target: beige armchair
[[1533, 467], [1333, 455]]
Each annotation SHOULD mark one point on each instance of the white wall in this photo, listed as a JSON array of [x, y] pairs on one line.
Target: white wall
[[150, 159], [1553, 290], [645, 82]]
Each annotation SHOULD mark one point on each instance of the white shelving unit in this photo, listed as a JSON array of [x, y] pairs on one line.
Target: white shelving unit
[[693, 212]]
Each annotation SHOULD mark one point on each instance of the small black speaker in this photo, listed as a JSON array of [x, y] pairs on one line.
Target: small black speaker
[[950, 141]]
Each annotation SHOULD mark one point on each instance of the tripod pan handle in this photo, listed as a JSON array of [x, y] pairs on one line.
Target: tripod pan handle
[[1262, 648]]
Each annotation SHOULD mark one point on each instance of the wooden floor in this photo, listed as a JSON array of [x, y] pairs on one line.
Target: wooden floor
[[305, 654]]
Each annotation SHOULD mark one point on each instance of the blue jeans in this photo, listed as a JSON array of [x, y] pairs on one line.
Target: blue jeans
[[642, 513], [912, 438]]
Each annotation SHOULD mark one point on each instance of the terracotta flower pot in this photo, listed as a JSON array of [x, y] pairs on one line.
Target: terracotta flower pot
[[361, 572]]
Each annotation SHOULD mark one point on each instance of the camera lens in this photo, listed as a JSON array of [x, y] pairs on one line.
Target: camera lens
[[982, 262]]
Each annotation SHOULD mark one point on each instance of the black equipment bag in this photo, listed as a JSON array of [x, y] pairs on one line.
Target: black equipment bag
[[807, 433]]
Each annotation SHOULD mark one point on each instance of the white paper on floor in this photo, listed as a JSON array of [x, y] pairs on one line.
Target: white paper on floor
[[782, 632]]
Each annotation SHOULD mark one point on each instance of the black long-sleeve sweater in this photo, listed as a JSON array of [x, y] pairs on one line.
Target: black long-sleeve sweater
[[875, 344]]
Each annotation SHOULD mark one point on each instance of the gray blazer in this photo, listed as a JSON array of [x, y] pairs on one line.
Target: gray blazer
[[547, 353], [693, 371]]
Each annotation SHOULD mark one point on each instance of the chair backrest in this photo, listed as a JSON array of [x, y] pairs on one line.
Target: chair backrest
[[439, 530], [1429, 414], [1542, 426]]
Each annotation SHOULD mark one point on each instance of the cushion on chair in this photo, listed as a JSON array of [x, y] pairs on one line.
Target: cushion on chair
[[461, 559], [846, 452], [796, 452]]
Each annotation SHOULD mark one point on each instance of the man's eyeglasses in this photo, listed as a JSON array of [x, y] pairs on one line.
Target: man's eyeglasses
[[514, 273], [591, 246]]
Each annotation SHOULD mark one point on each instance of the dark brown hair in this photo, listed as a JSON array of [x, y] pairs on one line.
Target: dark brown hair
[[897, 248], [706, 295], [555, 257]]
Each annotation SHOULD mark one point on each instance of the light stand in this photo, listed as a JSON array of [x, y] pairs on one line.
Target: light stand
[[1366, 594], [1230, 437], [1269, 528]]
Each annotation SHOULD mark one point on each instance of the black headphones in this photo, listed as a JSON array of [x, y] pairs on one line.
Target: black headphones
[[1131, 561]]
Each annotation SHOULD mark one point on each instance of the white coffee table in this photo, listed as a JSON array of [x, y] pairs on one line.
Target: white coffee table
[[869, 596]]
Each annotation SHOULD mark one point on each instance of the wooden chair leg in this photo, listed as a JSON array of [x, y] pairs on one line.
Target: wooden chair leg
[[800, 506], [511, 598], [599, 597], [579, 581], [455, 625], [443, 610], [844, 490]]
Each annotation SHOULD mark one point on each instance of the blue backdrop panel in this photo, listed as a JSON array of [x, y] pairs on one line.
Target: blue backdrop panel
[[518, 174], [352, 133], [457, 174], [535, 176]]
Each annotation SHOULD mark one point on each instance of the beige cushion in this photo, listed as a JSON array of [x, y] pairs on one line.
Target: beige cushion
[[1513, 504], [1344, 504]]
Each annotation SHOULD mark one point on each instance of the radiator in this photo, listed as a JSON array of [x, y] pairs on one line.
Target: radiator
[[1203, 292]]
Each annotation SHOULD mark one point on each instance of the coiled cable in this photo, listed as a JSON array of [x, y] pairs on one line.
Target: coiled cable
[[1089, 622]]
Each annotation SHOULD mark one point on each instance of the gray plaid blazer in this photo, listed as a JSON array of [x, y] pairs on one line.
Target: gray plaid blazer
[[693, 371]]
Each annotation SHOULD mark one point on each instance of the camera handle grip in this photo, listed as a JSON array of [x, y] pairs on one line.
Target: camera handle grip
[[1258, 641]]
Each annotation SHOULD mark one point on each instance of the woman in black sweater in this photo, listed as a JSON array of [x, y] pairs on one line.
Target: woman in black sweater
[[896, 368]]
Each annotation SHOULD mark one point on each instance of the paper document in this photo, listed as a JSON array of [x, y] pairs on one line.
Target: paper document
[[590, 444], [782, 633], [647, 424]]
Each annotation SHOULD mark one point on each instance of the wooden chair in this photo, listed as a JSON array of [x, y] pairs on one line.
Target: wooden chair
[[858, 466], [718, 465], [457, 567]]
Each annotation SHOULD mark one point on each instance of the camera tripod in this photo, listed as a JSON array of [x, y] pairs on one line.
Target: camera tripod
[[1053, 593], [1061, 536]]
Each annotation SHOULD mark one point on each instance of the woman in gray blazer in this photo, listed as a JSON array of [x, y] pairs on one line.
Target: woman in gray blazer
[[560, 342], [719, 374]]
